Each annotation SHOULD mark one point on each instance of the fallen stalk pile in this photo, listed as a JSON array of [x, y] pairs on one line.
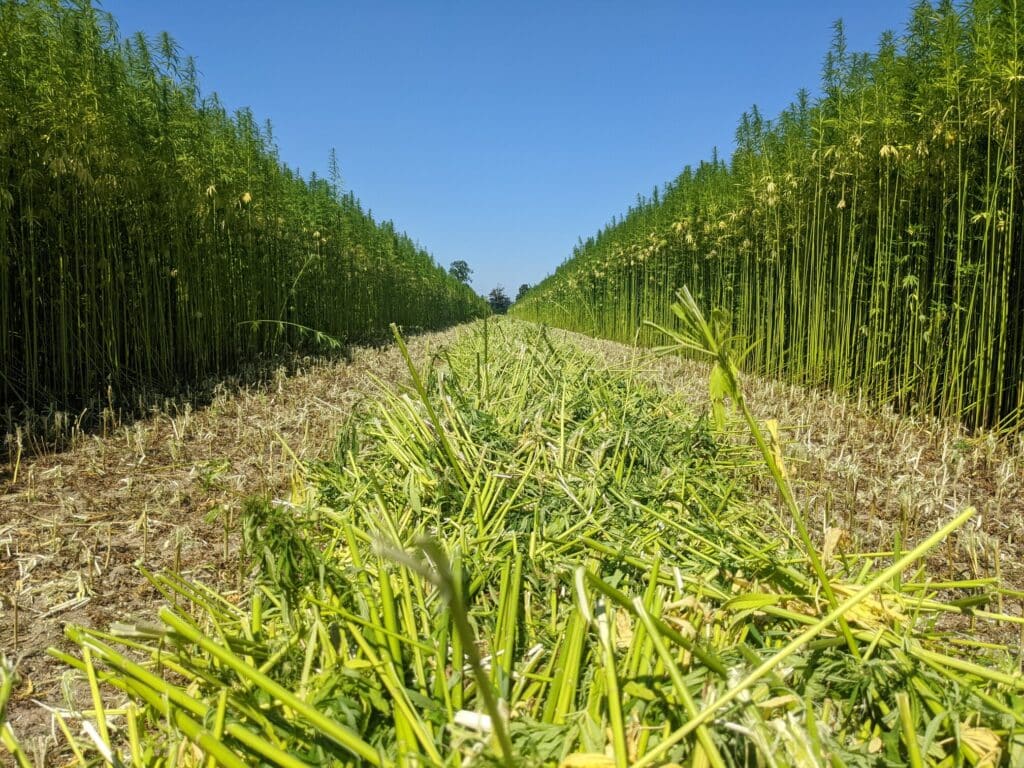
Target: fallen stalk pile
[[528, 559]]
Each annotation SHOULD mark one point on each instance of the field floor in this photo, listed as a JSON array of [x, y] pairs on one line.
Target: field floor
[[167, 494]]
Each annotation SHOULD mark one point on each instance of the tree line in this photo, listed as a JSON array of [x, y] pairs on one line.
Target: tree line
[[497, 298]]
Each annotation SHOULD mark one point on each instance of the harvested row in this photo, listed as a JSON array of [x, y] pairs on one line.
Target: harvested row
[[528, 556]]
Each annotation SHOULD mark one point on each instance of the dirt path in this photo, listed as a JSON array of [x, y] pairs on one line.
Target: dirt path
[[166, 492]]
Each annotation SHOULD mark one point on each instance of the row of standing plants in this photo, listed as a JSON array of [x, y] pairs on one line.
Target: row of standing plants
[[866, 240], [148, 237]]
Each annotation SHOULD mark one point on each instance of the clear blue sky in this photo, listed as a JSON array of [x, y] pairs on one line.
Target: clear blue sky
[[499, 132]]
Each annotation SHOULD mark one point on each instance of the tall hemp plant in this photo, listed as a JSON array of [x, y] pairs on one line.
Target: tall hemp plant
[[868, 238], [150, 239]]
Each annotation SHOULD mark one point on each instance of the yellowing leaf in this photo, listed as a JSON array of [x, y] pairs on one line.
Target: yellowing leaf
[[587, 760], [778, 701], [832, 538], [985, 743], [719, 388], [752, 601], [776, 445], [623, 629]]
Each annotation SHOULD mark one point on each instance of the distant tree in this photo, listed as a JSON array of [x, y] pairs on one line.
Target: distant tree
[[522, 291], [460, 271], [500, 302], [334, 174]]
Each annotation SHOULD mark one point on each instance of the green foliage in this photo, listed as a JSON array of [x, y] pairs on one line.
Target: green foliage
[[867, 242], [148, 237], [460, 270], [285, 557], [7, 737], [499, 300]]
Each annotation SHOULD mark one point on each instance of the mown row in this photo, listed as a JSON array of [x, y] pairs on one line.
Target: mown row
[[150, 238], [869, 240], [528, 558]]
